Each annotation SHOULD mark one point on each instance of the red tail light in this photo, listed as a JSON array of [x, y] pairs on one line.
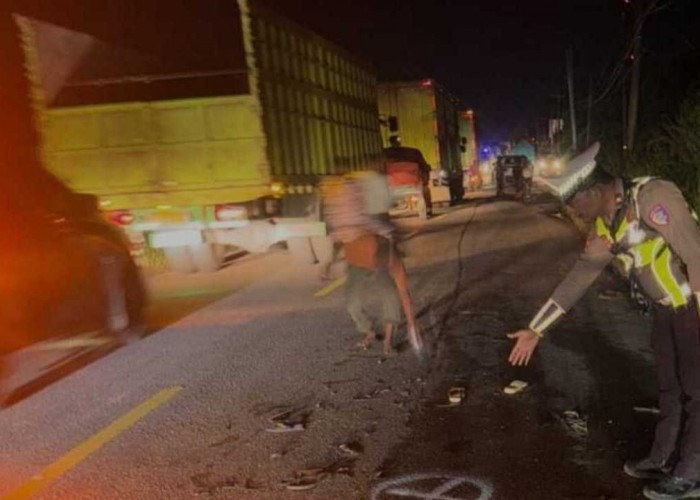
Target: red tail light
[[122, 217], [229, 212]]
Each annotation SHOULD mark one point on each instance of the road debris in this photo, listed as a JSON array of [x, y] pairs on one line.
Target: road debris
[[575, 424], [352, 449], [305, 479], [310, 478], [289, 421], [645, 409], [456, 394], [371, 395], [515, 387]]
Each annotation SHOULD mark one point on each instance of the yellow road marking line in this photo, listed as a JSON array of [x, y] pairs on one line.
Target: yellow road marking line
[[90, 445], [330, 288]]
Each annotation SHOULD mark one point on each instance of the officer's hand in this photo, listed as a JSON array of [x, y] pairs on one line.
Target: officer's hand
[[525, 343]]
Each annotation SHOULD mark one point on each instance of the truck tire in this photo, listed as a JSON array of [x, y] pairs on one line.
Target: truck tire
[[422, 209], [323, 249], [207, 257], [301, 251], [179, 259]]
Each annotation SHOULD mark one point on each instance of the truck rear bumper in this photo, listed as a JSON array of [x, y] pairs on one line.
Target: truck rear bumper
[[258, 236], [253, 236]]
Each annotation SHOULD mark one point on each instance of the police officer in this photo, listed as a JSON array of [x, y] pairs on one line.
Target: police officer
[[648, 227]]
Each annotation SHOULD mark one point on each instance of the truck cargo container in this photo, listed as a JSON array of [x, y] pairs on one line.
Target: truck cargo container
[[212, 147], [425, 116]]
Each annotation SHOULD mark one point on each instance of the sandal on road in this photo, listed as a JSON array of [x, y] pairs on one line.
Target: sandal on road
[[515, 387]]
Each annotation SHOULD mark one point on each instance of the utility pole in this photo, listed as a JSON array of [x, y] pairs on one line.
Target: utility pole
[[641, 10], [590, 107], [572, 104], [633, 107]]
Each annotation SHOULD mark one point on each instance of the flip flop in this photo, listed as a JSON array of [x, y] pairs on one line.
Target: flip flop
[[514, 387]]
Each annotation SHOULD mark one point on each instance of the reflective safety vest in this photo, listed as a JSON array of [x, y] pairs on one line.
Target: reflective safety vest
[[643, 253]]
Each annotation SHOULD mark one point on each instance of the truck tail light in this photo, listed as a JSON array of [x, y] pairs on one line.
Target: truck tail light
[[122, 217], [225, 213], [277, 189]]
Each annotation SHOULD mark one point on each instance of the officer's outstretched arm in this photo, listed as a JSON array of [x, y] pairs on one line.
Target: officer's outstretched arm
[[587, 268]]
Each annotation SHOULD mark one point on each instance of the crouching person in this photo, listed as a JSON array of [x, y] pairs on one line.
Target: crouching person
[[356, 210]]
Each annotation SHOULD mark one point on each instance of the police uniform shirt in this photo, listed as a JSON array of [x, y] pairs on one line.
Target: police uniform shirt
[[661, 209]]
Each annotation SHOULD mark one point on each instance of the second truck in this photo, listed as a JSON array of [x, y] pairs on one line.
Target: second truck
[[424, 115]]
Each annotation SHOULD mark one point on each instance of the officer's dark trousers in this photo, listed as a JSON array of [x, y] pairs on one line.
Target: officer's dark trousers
[[676, 344]]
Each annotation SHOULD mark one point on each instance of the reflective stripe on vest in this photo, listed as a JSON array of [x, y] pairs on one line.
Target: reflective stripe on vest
[[661, 267]]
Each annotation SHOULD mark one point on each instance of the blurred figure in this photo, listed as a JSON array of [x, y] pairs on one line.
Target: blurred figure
[[356, 210]]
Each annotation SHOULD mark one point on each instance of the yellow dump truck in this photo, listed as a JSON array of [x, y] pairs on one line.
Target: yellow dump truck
[[197, 154], [423, 115]]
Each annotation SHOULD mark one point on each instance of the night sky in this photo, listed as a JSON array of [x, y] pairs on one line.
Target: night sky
[[504, 58]]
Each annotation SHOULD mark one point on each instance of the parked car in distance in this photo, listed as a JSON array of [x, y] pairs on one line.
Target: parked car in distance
[[514, 176], [549, 166]]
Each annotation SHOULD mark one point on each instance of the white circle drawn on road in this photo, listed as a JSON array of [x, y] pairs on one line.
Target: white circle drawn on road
[[407, 487]]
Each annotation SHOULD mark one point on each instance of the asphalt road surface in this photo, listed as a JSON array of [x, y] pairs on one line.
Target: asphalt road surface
[[197, 408]]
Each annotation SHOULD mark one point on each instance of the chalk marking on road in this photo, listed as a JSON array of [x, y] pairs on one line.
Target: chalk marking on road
[[90, 445], [330, 288], [399, 487]]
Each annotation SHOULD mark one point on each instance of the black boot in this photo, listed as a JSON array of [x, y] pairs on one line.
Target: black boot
[[645, 468], [673, 488]]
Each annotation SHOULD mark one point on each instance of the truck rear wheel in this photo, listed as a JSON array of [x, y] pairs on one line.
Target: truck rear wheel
[[422, 209], [301, 251], [180, 259]]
